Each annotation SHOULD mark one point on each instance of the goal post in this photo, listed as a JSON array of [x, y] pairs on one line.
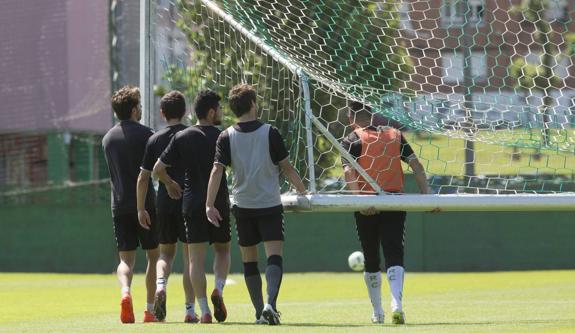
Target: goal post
[[307, 61], [426, 203], [146, 60]]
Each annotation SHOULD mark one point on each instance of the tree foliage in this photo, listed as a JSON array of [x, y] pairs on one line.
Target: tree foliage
[[540, 76], [346, 42]]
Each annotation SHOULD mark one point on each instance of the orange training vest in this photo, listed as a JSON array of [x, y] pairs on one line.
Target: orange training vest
[[380, 158]]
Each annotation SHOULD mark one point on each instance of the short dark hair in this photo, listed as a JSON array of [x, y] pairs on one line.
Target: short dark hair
[[360, 111], [124, 101], [206, 100], [173, 105], [241, 97]]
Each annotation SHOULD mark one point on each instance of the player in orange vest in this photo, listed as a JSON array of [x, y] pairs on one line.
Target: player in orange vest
[[379, 150]]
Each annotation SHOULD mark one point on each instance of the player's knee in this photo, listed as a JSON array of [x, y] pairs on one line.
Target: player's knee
[[222, 249], [126, 267], [153, 260], [249, 253], [167, 258], [197, 260], [274, 247], [168, 251]]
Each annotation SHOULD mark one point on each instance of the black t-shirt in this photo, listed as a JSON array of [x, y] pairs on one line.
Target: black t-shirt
[[156, 145], [352, 144], [124, 149], [277, 149], [193, 149]]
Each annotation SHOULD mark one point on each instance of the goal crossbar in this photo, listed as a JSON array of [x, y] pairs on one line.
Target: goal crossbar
[[428, 202]]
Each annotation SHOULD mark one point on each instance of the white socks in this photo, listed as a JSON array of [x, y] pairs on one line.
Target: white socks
[[150, 307], [203, 302], [161, 283], [220, 284], [395, 279], [373, 284], [125, 291], [190, 309]]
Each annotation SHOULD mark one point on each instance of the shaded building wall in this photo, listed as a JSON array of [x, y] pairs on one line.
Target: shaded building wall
[[54, 66], [55, 84], [500, 35]]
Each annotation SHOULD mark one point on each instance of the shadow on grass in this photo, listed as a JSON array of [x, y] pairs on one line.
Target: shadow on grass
[[503, 322], [290, 324], [477, 323], [366, 325]]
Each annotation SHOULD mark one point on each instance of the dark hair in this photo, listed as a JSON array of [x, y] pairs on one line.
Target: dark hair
[[205, 101], [359, 111], [173, 105], [241, 97], [124, 101]]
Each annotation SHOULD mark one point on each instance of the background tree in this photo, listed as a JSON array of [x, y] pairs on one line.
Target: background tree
[[541, 76]]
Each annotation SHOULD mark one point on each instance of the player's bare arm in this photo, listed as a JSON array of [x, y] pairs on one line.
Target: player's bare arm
[[420, 177], [141, 191], [419, 172], [351, 179], [172, 187], [292, 176], [213, 185]]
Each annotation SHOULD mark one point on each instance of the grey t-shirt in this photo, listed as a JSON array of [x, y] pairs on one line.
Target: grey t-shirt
[[277, 153]]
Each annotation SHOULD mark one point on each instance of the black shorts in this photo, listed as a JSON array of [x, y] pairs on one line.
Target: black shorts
[[171, 227], [386, 229], [129, 234], [257, 228], [200, 230]]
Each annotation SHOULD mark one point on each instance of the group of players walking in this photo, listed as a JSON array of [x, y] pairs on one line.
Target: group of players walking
[[192, 204]]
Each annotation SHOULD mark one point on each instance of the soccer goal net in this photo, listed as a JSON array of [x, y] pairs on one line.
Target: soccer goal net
[[483, 91]]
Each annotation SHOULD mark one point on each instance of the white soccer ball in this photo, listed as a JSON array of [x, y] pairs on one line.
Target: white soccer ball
[[356, 261]]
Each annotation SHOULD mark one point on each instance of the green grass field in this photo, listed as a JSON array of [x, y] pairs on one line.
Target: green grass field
[[444, 155], [324, 302]]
